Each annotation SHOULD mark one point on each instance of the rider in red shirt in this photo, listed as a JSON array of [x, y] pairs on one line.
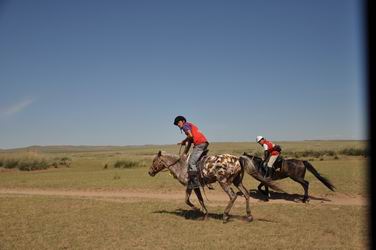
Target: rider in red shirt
[[270, 153], [200, 145]]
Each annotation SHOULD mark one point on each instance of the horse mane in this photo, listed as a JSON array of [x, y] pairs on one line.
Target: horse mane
[[253, 156], [170, 156]]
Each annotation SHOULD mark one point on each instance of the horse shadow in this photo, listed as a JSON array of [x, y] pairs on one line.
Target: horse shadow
[[189, 214], [256, 194]]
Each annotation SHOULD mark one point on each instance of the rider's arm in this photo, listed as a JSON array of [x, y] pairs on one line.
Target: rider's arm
[[266, 154], [189, 139], [187, 147]]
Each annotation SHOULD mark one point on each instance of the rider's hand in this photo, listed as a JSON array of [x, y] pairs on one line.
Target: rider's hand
[[181, 143]]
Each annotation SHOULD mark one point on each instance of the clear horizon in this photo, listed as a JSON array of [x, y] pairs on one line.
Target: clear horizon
[[146, 145], [118, 72]]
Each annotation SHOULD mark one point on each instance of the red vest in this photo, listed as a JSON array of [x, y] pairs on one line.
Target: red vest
[[271, 148], [198, 137]]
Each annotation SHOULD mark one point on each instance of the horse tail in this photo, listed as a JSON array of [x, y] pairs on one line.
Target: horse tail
[[241, 174], [255, 174], [324, 180]]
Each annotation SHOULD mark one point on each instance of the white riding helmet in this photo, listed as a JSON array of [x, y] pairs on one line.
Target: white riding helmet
[[259, 138]]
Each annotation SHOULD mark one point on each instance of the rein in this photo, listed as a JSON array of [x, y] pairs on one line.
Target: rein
[[168, 166]]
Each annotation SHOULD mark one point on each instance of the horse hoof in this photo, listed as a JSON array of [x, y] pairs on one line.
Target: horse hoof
[[305, 200], [249, 218], [225, 219]]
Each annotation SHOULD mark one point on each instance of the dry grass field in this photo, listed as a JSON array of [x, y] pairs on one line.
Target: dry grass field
[[104, 199]]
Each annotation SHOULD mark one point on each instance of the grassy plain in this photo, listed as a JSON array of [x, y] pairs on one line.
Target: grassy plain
[[59, 222]]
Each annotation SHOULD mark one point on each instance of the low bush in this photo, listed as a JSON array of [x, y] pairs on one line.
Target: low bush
[[128, 164], [354, 152], [322, 153], [30, 162], [63, 161]]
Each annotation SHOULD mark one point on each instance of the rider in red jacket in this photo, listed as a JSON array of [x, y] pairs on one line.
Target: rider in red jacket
[[200, 145], [270, 153]]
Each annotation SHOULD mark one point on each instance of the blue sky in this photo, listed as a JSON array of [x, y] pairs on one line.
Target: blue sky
[[118, 72]]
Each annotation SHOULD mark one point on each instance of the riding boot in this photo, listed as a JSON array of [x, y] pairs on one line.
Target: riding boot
[[272, 171], [265, 170]]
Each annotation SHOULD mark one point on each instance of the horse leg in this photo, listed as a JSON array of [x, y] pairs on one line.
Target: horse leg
[[305, 185], [259, 188], [201, 200], [188, 193], [242, 189], [306, 197], [232, 196], [267, 193], [264, 192]]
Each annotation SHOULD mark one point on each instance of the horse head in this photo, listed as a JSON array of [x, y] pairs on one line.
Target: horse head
[[157, 165], [162, 161], [253, 159]]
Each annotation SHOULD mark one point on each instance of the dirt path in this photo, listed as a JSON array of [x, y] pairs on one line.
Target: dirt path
[[214, 197]]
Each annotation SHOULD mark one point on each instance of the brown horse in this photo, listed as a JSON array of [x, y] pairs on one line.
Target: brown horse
[[224, 169], [293, 168]]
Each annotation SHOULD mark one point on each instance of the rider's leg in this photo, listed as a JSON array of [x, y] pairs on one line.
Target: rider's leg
[[192, 165], [270, 163], [264, 167]]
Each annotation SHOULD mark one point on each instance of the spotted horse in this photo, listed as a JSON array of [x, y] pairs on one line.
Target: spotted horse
[[224, 169]]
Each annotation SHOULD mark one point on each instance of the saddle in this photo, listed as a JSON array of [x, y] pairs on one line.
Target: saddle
[[278, 163], [276, 167]]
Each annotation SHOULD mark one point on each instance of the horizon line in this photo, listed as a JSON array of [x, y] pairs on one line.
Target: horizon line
[[162, 144]]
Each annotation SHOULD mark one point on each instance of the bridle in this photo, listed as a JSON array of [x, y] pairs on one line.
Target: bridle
[[253, 163], [252, 160], [167, 166]]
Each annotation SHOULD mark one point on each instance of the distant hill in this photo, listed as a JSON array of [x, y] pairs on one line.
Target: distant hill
[[287, 145]]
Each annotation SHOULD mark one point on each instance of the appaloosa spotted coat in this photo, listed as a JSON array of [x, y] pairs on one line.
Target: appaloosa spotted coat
[[224, 169]]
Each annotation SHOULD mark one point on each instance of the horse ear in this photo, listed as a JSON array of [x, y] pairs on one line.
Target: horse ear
[[159, 153]]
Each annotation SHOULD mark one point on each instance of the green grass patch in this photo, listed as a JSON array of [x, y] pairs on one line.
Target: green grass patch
[[87, 171]]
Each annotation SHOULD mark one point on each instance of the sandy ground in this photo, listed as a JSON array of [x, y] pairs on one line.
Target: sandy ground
[[214, 197]]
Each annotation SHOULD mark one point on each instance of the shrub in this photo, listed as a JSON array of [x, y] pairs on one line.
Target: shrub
[[354, 152], [32, 161], [11, 163], [65, 161], [34, 164], [127, 164], [310, 153]]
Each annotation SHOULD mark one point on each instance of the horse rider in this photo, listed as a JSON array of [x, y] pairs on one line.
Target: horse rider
[[271, 153], [200, 145]]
